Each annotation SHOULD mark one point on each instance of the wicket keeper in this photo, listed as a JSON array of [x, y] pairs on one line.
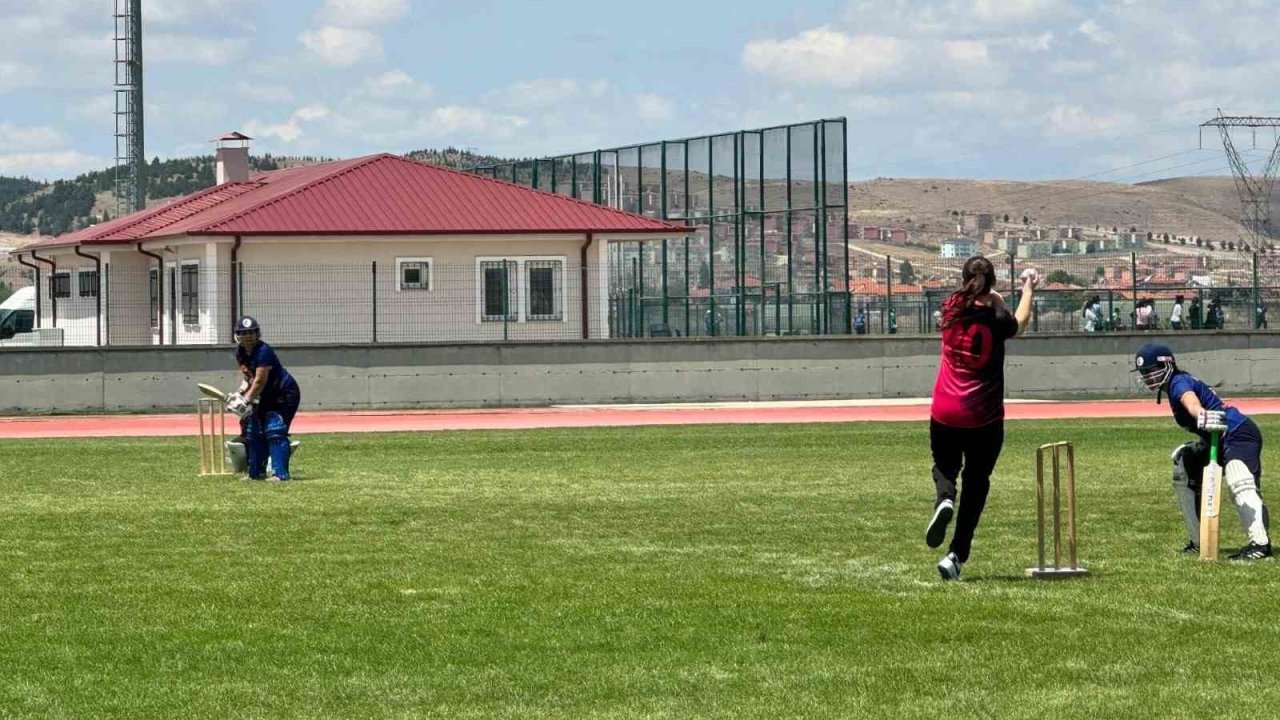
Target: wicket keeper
[[267, 405], [1198, 409]]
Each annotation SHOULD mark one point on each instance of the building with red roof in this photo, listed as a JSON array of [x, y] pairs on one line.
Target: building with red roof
[[317, 252]]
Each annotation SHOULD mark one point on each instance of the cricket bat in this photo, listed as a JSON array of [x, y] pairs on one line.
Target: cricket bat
[[211, 391], [1210, 502]]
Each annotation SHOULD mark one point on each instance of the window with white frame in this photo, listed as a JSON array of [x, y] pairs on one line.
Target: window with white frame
[[60, 285], [88, 283], [414, 274], [190, 284], [499, 294], [544, 299]]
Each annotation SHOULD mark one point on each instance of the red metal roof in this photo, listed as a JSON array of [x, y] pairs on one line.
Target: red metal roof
[[375, 195]]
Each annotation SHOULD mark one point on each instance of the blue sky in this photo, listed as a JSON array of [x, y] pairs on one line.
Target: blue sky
[[1018, 89]]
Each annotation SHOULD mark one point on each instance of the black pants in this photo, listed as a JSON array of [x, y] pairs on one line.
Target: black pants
[[976, 451]]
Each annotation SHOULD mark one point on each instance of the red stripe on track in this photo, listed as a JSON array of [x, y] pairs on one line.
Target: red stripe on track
[[569, 417]]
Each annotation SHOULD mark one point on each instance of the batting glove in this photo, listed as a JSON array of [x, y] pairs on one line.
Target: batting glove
[[1212, 421], [237, 406]]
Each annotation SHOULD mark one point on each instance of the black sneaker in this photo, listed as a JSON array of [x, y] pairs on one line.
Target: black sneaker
[[937, 530], [949, 567], [1252, 551], [1191, 548]]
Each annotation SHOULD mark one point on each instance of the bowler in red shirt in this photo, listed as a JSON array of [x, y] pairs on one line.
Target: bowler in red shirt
[[966, 426]]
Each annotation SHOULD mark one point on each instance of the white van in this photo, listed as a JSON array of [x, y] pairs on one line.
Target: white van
[[18, 313]]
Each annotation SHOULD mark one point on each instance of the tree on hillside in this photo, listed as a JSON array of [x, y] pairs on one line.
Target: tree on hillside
[[1064, 277], [906, 273], [1006, 217]]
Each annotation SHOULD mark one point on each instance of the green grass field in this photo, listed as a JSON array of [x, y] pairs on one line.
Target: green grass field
[[682, 572]]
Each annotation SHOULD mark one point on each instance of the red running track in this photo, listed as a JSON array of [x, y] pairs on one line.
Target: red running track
[[593, 416]]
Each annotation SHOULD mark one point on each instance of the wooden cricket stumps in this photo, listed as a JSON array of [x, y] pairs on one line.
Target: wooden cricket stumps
[[1057, 570], [213, 441]]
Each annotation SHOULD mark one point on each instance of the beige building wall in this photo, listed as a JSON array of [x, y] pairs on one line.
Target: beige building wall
[[211, 261], [322, 289], [126, 303], [75, 316]]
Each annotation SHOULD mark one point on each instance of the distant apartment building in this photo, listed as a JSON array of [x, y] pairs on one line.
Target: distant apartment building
[[978, 222], [1009, 243], [958, 247], [1070, 233], [1131, 241], [870, 232], [1034, 249]]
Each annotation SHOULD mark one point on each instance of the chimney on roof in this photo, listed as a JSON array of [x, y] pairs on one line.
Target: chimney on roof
[[231, 161]]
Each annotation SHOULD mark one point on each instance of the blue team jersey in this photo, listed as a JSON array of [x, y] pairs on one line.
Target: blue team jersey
[[1182, 383], [278, 379]]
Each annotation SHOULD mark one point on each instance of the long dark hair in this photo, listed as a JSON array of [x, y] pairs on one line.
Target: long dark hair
[[977, 277]]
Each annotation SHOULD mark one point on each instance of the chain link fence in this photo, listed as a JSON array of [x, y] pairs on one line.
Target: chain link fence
[[539, 298]]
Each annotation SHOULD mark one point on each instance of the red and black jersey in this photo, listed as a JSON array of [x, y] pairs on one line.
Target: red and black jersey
[[969, 391]]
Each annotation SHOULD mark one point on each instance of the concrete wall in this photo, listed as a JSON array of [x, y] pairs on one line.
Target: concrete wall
[[475, 375]]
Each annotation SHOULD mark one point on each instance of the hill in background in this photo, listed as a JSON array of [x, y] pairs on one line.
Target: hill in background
[[929, 209], [30, 209]]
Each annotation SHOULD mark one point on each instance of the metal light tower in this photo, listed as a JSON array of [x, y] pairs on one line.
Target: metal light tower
[[1254, 189], [131, 162]]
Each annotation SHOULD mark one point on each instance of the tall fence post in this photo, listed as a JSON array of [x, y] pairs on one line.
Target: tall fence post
[[375, 300], [888, 292], [1133, 268], [1258, 312], [106, 290]]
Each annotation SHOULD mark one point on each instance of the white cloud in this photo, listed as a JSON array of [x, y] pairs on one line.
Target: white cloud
[[539, 92], [827, 56], [45, 165], [397, 84], [362, 13], [598, 88], [463, 120], [194, 50], [966, 51], [1074, 120], [289, 130], [16, 75], [97, 110], [270, 93], [186, 12], [1092, 30], [342, 46], [15, 138], [654, 108], [311, 112], [1013, 11]]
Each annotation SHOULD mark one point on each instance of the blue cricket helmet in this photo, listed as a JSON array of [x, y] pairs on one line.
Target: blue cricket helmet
[[1156, 364], [247, 324]]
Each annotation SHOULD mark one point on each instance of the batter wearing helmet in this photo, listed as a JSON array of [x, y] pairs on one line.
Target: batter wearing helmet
[[1198, 409], [268, 405]]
